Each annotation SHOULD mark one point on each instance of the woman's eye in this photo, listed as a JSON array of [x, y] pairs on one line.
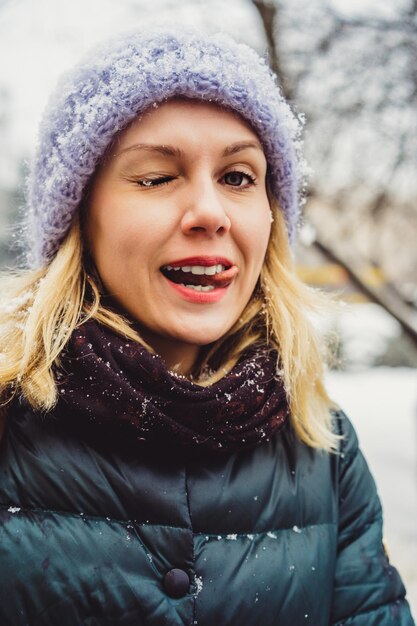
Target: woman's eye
[[154, 182], [238, 179]]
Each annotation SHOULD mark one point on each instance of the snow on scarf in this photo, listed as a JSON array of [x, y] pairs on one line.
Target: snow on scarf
[[104, 378]]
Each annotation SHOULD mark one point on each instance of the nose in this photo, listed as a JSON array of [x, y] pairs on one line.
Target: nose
[[205, 210]]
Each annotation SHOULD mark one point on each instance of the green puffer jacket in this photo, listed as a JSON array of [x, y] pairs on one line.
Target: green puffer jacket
[[100, 530]]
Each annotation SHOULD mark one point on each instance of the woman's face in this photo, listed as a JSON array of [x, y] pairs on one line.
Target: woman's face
[[178, 222]]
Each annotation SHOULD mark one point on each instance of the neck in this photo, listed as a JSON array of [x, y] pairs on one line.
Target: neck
[[179, 357]]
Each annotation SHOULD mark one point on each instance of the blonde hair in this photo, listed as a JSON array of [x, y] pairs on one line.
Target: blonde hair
[[41, 309]]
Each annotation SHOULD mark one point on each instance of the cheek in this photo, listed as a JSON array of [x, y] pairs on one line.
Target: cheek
[[117, 234], [256, 237]]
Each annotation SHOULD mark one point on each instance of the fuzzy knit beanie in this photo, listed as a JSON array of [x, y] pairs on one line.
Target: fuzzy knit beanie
[[123, 78]]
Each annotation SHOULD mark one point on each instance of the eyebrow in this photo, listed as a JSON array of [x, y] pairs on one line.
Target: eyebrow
[[171, 151], [241, 145]]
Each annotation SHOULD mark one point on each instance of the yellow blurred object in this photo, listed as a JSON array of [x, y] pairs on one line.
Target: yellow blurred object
[[332, 275], [328, 274]]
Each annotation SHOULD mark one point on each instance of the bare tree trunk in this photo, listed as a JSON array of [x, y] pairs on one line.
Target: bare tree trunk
[[392, 289], [392, 305], [268, 13]]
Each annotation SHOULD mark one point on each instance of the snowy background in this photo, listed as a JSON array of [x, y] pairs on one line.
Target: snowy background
[[41, 38], [382, 404]]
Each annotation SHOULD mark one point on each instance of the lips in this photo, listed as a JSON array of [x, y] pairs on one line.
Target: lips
[[204, 261], [217, 272]]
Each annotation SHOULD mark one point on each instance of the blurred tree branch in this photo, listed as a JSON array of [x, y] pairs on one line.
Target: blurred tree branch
[[392, 302], [269, 15]]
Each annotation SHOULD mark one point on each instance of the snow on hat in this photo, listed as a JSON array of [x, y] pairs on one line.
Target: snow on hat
[[120, 80]]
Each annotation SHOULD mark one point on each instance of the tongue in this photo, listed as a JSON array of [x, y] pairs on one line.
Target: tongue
[[225, 278], [222, 279]]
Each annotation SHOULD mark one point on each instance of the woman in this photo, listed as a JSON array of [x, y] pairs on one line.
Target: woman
[[170, 455]]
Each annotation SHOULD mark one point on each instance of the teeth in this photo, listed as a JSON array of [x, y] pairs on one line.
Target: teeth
[[200, 287], [199, 270]]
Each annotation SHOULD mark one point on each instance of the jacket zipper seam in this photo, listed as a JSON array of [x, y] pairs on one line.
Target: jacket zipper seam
[[187, 494]]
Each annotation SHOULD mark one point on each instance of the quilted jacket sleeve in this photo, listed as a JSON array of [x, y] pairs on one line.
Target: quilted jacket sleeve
[[368, 591]]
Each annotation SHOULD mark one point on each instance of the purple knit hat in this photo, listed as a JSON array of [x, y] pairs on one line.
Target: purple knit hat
[[120, 80]]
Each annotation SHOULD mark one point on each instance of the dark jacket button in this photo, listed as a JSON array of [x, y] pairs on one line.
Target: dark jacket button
[[176, 583]]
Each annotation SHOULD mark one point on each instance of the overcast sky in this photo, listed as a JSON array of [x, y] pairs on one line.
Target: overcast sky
[[39, 39]]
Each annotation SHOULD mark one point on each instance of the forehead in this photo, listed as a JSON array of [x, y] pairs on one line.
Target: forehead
[[182, 120]]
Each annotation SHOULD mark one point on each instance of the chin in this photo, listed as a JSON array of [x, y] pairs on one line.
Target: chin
[[202, 337], [201, 340]]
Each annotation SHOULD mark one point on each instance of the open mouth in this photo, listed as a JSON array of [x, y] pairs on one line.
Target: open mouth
[[200, 277]]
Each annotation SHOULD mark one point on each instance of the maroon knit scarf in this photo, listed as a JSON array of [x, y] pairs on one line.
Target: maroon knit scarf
[[106, 379]]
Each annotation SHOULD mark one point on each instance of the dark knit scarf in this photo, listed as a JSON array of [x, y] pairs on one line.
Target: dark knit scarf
[[105, 378]]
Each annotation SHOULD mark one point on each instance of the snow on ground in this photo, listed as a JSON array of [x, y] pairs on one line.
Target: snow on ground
[[382, 404]]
